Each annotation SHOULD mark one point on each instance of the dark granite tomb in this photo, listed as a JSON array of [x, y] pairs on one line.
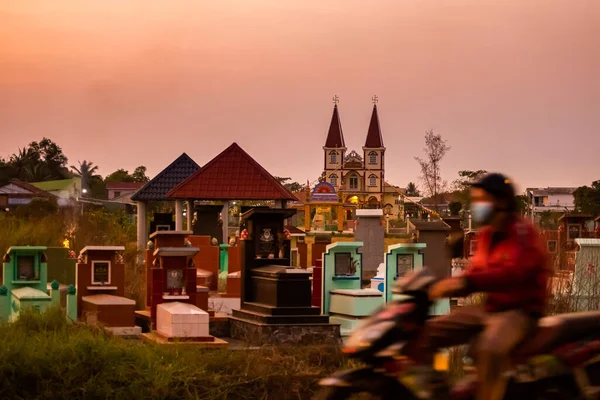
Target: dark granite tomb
[[273, 293]]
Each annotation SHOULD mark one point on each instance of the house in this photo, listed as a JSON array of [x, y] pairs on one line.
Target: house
[[17, 193], [550, 199], [122, 190], [67, 191]]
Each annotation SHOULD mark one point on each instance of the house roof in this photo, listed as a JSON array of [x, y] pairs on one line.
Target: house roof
[[231, 175], [576, 215], [17, 188], [124, 185], [335, 136], [437, 225], [295, 231], [62, 184], [157, 188], [374, 138], [551, 190]]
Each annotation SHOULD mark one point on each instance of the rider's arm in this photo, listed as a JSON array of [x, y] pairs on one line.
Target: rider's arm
[[522, 261]]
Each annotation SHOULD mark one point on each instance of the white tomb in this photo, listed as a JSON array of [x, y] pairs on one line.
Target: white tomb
[[181, 320], [378, 280]]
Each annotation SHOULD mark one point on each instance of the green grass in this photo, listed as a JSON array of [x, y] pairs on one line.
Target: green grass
[[42, 357]]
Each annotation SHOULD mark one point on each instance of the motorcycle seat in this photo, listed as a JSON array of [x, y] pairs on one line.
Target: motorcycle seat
[[557, 330]]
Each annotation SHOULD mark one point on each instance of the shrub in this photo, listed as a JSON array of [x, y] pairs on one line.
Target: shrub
[[43, 357]]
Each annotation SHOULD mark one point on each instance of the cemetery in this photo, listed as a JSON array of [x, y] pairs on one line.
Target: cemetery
[[261, 283]]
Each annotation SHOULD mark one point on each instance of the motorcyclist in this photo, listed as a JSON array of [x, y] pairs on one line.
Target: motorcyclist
[[510, 265]]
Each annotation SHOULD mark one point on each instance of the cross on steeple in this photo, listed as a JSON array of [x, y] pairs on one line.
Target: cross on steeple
[[375, 99], [336, 99]]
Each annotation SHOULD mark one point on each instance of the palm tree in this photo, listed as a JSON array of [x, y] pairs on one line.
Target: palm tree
[[86, 171]]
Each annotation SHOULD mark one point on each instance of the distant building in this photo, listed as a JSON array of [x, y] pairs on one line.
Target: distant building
[[122, 189], [17, 193], [361, 178], [67, 191], [552, 199]]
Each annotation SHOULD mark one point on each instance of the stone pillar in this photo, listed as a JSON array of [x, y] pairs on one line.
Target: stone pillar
[[340, 218], [372, 234], [225, 217], [307, 218], [4, 304], [55, 293], [71, 304], [190, 214], [178, 215], [142, 230]]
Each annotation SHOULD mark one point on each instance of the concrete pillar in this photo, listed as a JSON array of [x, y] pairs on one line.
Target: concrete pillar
[[190, 214], [307, 218], [225, 216], [71, 304], [142, 230], [178, 215], [341, 217]]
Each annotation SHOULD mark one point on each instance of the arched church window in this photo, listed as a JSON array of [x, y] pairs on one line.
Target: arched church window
[[372, 157], [372, 180], [353, 181], [333, 157], [333, 180]]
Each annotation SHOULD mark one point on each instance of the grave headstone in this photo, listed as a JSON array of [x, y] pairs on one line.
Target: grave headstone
[[371, 233]]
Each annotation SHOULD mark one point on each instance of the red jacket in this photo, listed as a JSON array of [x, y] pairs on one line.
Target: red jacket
[[514, 273]]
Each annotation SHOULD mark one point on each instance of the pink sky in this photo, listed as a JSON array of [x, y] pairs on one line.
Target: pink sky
[[513, 85]]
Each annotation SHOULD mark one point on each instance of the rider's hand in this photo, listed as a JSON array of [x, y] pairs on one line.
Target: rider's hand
[[445, 288]]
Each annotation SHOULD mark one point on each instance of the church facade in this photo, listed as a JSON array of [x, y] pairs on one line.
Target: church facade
[[359, 177]]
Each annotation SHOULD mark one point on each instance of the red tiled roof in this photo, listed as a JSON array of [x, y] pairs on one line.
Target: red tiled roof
[[124, 185], [374, 138], [231, 175], [335, 137]]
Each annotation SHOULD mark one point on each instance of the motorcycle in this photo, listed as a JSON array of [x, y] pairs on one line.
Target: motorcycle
[[560, 361]]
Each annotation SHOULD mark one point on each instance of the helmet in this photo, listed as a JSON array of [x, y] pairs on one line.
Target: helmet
[[500, 187]]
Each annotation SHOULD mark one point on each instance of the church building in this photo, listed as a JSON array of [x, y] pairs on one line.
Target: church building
[[360, 177]]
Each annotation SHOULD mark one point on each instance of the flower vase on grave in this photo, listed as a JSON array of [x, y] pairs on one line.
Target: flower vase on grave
[[271, 255], [280, 253]]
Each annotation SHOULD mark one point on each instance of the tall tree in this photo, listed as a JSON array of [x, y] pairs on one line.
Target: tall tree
[[291, 186], [412, 190], [39, 161], [461, 186], [587, 199], [120, 175], [87, 170], [139, 175], [435, 149]]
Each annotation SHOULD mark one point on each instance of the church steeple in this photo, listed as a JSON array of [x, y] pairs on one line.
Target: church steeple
[[335, 136], [374, 138]]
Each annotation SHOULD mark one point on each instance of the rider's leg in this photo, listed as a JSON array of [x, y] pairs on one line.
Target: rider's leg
[[503, 332], [452, 329]]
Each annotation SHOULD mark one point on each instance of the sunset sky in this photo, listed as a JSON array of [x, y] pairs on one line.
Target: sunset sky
[[513, 85]]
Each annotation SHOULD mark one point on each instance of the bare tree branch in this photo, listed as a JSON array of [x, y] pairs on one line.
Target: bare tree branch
[[435, 149]]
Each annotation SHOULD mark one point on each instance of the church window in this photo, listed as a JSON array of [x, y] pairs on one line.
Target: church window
[[372, 157], [354, 182], [333, 157], [333, 179], [372, 180]]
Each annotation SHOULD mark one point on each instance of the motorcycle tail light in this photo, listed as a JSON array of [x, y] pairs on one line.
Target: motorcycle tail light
[[348, 350]]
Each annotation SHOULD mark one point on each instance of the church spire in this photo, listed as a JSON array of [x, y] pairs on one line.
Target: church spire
[[335, 137], [374, 138]]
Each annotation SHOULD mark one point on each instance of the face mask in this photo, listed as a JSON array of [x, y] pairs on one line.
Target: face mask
[[482, 212]]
